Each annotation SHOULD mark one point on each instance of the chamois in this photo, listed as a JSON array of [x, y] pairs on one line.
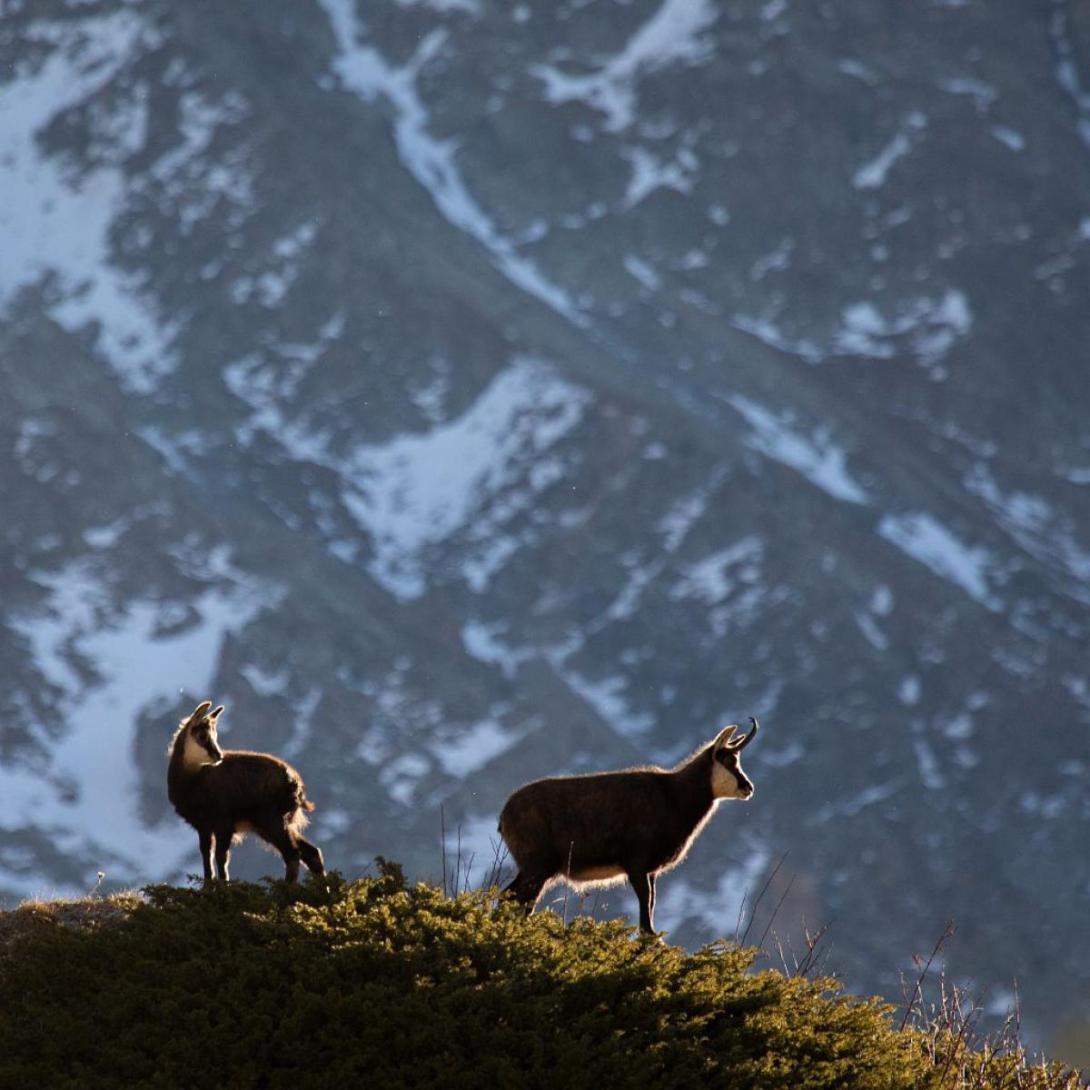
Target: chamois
[[601, 828], [225, 794]]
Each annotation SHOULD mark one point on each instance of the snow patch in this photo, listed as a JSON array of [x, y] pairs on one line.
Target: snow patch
[[264, 683], [713, 579], [928, 327], [908, 691], [675, 34], [471, 749], [471, 7], [926, 540], [766, 331], [872, 174], [928, 765], [270, 286], [401, 775], [649, 173], [607, 698], [1010, 137], [818, 459], [481, 641], [53, 222], [420, 489], [643, 272]]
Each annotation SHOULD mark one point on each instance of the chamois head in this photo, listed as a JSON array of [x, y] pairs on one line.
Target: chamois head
[[728, 779], [199, 743]]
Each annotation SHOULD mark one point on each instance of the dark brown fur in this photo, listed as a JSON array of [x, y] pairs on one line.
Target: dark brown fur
[[609, 826], [241, 792]]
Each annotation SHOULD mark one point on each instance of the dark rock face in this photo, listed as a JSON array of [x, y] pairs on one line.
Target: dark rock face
[[463, 393]]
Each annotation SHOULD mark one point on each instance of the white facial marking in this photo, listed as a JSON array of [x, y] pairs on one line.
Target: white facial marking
[[194, 754], [724, 783]]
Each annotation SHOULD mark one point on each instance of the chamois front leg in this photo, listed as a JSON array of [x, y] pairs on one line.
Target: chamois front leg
[[644, 886], [206, 854], [223, 851], [526, 888]]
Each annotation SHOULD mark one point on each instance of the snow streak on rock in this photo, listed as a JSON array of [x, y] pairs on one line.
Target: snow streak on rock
[[433, 162], [924, 538], [819, 460]]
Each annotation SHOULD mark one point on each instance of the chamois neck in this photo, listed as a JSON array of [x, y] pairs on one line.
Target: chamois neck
[[692, 783], [187, 758]]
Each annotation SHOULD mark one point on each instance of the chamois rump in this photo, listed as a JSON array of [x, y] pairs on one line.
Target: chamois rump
[[599, 829], [225, 794]]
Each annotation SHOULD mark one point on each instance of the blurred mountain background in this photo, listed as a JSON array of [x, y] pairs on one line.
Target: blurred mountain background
[[463, 392]]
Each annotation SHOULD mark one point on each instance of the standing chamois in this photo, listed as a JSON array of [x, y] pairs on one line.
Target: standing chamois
[[224, 794], [601, 828]]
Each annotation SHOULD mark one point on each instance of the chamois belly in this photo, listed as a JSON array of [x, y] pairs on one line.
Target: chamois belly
[[588, 877]]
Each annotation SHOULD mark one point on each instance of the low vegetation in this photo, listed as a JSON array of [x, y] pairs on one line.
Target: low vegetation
[[372, 983]]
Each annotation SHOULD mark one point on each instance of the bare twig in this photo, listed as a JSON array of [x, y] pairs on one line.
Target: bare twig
[[947, 933], [567, 884], [443, 843], [756, 903], [494, 876], [809, 961], [775, 912]]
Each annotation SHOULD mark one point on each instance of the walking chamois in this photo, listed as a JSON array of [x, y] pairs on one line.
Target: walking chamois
[[601, 828]]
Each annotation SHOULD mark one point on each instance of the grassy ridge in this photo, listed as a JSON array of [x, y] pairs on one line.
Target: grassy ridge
[[335, 984]]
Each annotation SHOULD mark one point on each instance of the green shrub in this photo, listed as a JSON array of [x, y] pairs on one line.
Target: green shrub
[[370, 983]]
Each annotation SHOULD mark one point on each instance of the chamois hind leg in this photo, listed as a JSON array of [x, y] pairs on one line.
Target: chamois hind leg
[[281, 837], [312, 855], [643, 884], [527, 887], [223, 851], [206, 853]]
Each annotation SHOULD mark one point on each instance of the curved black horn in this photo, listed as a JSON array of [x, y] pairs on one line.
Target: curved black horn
[[743, 742]]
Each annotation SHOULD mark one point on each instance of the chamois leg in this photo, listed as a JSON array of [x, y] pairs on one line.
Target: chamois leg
[[312, 855], [527, 887], [285, 842], [206, 853], [651, 901], [223, 851], [642, 884]]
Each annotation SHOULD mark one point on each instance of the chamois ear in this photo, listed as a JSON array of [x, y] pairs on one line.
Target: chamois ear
[[724, 736], [200, 709], [213, 716]]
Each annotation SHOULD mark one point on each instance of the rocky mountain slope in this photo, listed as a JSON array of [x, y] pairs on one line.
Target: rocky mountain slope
[[464, 392]]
